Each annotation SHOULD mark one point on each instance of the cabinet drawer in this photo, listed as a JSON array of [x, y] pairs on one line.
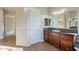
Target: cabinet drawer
[[54, 34], [67, 37], [67, 42]]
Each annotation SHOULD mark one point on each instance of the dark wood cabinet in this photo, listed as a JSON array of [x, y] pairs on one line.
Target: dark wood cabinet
[[46, 36], [54, 39], [66, 42], [62, 41]]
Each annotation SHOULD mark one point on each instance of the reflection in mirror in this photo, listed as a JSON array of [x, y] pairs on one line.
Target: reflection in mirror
[[65, 18], [47, 22], [72, 19]]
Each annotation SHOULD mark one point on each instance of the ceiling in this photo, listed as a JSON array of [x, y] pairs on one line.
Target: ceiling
[[11, 9], [51, 9]]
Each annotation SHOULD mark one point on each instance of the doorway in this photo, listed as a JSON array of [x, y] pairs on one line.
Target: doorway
[[9, 29], [9, 25]]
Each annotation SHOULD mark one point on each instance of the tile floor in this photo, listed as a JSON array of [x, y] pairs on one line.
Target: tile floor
[[41, 46]]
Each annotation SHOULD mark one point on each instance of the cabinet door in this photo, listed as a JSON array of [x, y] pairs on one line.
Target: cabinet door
[[66, 42], [66, 45], [46, 34], [51, 39], [54, 39]]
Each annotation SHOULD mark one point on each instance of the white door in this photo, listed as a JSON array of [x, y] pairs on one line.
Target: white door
[[35, 26]]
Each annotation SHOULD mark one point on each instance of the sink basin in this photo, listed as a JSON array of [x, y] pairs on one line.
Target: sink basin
[[56, 30]]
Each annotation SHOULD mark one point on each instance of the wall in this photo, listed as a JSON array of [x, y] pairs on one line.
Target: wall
[[27, 31], [35, 22], [1, 23], [21, 34], [44, 14]]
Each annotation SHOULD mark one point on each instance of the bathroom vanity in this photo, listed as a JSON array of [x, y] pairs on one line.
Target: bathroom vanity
[[63, 40]]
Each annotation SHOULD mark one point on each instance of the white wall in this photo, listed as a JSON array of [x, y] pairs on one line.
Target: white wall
[[21, 35], [29, 29], [44, 14], [35, 32], [1, 23], [35, 17]]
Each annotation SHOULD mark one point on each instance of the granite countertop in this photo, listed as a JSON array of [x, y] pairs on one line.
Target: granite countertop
[[72, 33], [65, 32], [76, 46]]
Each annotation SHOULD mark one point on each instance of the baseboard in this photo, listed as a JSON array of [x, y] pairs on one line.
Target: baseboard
[[20, 45], [36, 42], [27, 45]]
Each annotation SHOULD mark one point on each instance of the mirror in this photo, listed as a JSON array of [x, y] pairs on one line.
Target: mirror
[[71, 20], [47, 22], [65, 18]]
